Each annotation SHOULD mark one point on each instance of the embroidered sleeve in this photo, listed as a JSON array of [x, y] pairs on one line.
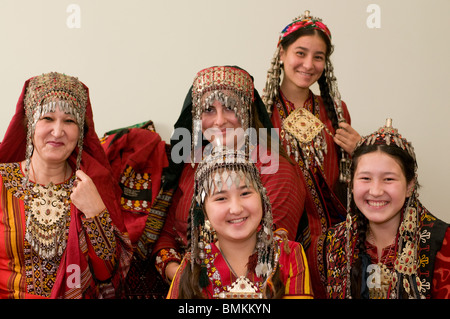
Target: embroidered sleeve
[[163, 257], [101, 235]]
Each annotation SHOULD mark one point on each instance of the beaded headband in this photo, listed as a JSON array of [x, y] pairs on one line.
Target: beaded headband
[[227, 167], [387, 135], [304, 21], [44, 93], [222, 78], [232, 87]]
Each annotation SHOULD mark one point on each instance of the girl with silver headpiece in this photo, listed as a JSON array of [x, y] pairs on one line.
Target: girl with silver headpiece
[[223, 98], [233, 252], [315, 130], [62, 229], [390, 246]]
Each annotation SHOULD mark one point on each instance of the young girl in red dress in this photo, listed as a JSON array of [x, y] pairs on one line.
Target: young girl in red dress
[[233, 251], [390, 246]]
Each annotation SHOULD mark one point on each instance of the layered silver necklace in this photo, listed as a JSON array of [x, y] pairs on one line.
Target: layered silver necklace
[[48, 217]]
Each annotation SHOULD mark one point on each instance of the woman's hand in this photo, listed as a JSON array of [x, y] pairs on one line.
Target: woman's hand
[[346, 137], [85, 195]]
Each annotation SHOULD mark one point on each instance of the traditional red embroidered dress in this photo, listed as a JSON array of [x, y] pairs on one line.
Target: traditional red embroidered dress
[[322, 206], [23, 274], [293, 266], [283, 189], [98, 250]]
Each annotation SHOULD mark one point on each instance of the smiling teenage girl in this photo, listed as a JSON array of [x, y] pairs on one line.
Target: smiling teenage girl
[[390, 246], [232, 249], [315, 130]]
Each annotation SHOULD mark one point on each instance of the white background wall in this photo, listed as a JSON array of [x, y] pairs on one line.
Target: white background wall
[[139, 57]]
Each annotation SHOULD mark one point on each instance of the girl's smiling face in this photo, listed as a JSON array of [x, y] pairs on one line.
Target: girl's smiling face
[[380, 187], [304, 61], [235, 213]]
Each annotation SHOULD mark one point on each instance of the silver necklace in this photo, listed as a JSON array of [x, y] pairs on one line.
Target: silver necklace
[[48, 217], [241, 288]]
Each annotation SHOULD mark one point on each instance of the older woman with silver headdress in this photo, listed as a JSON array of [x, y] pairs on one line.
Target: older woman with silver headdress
[[62, 231]]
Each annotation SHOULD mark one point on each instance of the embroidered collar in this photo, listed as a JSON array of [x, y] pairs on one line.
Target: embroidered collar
[[289, 106]]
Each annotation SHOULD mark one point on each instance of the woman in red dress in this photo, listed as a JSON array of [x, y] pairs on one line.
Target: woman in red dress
[[62, 231]]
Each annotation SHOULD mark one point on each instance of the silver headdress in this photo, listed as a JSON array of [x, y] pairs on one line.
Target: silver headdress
[[231, 86]]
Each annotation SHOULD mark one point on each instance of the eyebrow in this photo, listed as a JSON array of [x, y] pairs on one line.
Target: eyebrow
[[372, 173], [240, 188], [306, 49]]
